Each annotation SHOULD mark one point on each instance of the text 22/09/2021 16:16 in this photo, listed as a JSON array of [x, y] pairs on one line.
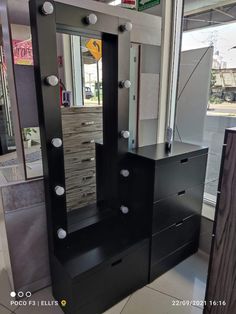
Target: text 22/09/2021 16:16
[[198, 303]]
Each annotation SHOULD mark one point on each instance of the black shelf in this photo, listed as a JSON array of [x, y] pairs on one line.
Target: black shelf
[[158, 151], [87, 216]]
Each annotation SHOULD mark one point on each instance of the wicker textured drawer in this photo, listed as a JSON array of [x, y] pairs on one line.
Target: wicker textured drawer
[[82, 122], [82, 128], [80, 178], [81, 141], [80, 196], [79, 161]]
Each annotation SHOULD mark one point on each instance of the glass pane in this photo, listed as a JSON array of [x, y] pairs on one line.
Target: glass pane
[[80, 71], [91, 49], [32, 150], [26, 100], [9, 163], [203, 113]]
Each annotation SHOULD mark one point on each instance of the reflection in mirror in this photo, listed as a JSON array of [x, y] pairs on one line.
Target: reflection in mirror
[[32, 151], [9, 170], [80, 74]]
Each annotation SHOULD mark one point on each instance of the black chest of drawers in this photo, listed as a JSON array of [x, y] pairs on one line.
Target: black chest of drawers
[[173, 187]]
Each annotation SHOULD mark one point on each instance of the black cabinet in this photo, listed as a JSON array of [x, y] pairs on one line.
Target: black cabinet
[[95, 275], [173, 187]]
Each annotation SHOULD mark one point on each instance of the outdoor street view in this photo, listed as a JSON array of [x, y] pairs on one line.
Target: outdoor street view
[[221, 108]]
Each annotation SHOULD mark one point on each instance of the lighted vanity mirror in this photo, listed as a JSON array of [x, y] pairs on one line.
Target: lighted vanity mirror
[[80, 79]]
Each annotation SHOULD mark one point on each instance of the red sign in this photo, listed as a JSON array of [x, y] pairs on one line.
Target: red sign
[[131, 4], [22, 51]]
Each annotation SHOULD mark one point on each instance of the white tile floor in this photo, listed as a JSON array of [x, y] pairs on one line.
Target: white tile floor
[[184, 282]]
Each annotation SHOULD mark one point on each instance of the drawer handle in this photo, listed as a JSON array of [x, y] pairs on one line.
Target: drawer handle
[[183, 161], [88, 178], [88, 142], [88, 159], [88, 123], [178, 224], [181, 193], [88, 194], [116, 262]]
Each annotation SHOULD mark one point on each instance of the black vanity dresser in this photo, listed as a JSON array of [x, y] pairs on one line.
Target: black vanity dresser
[[116, 219], [174, 196]]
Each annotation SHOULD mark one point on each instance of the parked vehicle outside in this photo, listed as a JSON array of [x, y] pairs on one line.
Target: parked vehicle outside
[[224, 84], [88, 92]]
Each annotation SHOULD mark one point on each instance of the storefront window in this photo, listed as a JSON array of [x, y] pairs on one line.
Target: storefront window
[[208, 55]]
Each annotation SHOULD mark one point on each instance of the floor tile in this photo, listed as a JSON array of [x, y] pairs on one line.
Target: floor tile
[[43, 295], [186, 281], [149, 301], [3, 310], [185, 310], [5, 289], [0, 244], [2, 264], [116, 309]]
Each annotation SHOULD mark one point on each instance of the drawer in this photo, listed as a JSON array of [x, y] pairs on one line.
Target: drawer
[[80, 110], [78, 178], [119, 277], [176, 208], [79, 160], [84, 122], [78, 197], [75, 142], [172, 177], [172, 260], [169, 240]]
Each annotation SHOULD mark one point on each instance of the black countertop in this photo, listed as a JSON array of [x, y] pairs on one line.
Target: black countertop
[[158, 151]]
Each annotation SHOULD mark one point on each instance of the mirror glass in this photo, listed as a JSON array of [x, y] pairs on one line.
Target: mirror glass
[[26, 99], [80, 74]]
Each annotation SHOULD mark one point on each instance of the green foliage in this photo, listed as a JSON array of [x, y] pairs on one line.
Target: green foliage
[[215, 100], [27, 132], [213, 78]]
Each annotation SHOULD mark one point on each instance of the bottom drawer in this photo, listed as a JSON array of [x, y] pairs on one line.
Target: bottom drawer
[[172, 260], [113, 281], [169, 240]]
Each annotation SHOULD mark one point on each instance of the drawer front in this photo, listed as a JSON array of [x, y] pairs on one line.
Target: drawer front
[[172, 260], [117, 279], [84, 122], [80, 196], [169, 240], [172, 177], [78, 178], [176, 208], [73, 143], [79, 161], [80, 110]]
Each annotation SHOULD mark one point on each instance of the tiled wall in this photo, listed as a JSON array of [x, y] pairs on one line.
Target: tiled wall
[[25, 222]]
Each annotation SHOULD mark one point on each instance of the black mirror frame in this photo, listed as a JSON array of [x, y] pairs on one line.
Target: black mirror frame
[[116, 52]]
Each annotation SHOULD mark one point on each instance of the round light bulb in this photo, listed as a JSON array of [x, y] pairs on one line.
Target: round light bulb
[[61, 233], [57, 142], [52, 80], [124, 173], [59, 190], [127, 27], [47, 8], [125, 84], [91, 19], [125, 134], [124, 209]]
